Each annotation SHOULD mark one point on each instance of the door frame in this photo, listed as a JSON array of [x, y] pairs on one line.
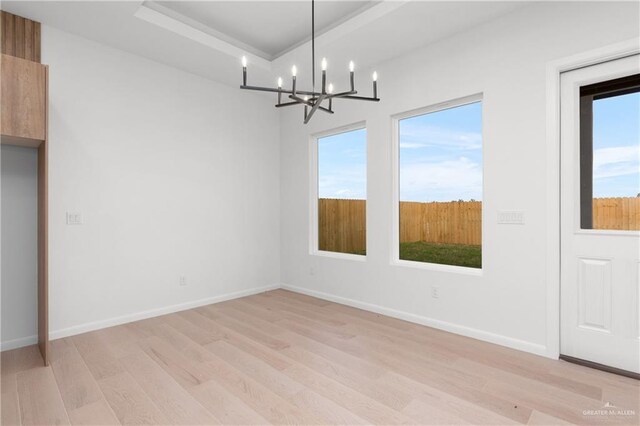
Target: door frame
[[554, 70]]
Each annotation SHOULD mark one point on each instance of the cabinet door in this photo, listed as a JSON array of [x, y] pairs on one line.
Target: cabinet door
[[23, 98]]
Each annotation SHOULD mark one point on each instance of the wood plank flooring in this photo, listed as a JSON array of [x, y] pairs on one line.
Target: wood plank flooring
[[285, 358]]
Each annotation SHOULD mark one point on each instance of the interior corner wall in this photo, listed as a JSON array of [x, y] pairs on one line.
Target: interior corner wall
[[506, 60], [19, 240], [173, 175]]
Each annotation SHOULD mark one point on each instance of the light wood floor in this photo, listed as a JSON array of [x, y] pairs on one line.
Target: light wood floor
[[281, 357]]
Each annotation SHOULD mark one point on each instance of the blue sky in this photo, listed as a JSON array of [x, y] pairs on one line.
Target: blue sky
[[616, 144], [342, 165], [441, 154]]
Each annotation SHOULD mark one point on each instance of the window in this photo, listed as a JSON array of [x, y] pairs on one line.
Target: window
[[440, 185], [342, 192], [610, 155]]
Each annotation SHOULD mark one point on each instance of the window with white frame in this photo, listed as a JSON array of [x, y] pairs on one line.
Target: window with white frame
[[341, 201], [440, 185]]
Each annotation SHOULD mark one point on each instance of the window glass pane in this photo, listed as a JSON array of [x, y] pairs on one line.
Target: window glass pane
[[342, 191], [616, 162], [441, 187]]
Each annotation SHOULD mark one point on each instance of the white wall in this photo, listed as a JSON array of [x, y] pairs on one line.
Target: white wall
[[19, 260], [177, 175], [173, 175], [505, 60]]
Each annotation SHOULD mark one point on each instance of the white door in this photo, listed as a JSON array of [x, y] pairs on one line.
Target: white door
[[600, 214]]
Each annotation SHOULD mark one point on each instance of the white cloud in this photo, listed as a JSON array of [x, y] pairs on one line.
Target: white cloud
[[345, 182], [442, 181], [412, 145], [616, 161], [419, 135]]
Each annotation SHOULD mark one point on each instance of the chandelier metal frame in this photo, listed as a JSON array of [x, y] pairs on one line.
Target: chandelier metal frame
[[312, 100]]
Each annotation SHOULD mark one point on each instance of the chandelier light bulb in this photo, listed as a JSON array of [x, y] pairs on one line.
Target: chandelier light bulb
[[317, 99]]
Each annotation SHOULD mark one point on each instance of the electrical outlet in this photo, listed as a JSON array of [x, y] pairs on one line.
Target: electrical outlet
[[74, 218], [435, 292], [182, 280]]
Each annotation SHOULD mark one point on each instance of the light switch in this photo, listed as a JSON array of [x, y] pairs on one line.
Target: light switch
[[74, 218], [435, 292], [513, 217]]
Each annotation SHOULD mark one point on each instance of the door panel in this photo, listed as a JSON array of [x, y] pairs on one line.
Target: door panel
[[600, 187], [594, 294]]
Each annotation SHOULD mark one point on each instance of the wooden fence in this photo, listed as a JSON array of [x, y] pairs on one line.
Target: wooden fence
[[456, 222], [616, 213], [342, 223]]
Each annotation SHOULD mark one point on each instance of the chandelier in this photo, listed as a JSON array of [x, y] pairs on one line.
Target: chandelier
[[313, 100]]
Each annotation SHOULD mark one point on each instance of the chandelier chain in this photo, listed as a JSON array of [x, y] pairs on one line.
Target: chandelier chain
[[313, 45]]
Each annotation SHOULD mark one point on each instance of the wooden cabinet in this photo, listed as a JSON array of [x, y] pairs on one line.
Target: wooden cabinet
[[24, 96], [24, 88], [20, 36]]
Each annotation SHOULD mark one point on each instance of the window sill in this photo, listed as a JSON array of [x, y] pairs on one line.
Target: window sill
[[463, 270], [337, 255], [608, 232]]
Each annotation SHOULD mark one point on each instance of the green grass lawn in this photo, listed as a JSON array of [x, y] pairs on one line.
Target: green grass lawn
[[446, 254]]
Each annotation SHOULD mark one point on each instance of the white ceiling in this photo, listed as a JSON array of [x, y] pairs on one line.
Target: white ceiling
[[207, 38], [272, 27]]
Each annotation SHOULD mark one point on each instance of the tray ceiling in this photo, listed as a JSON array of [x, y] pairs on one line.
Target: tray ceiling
[[270, 27], [208, 38]]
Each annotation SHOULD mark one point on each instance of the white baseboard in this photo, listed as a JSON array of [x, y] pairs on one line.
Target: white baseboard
[[475, 333], [97, 325], [418, 319], [18, 343]]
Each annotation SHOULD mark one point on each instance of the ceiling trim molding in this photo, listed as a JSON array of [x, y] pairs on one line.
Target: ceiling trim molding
[[172, 21], [164, 17]]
